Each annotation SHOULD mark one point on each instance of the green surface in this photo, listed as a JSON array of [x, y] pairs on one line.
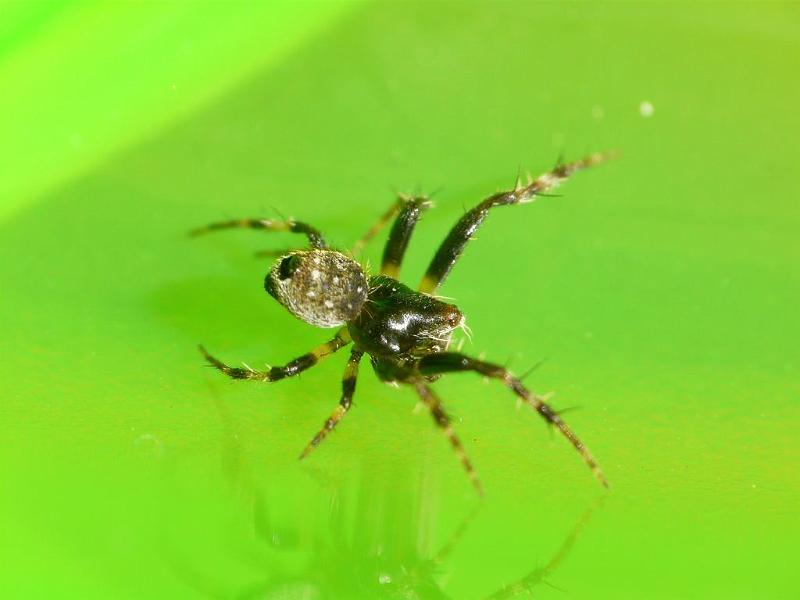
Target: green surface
[[661, 287]]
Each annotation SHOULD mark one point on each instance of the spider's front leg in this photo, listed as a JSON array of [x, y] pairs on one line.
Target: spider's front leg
[[450, 362], [298, 365], [463, 231]]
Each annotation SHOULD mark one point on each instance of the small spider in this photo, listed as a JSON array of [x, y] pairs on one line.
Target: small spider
[[405, 332]]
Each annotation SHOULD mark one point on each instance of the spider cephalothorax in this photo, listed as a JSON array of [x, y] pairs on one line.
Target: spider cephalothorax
[[405, 332], [397, 322]]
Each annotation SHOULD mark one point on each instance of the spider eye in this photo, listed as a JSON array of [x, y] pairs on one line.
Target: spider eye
[[453, 316], [287, 267]]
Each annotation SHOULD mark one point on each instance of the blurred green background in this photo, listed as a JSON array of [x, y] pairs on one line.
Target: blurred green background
[[662, 288]]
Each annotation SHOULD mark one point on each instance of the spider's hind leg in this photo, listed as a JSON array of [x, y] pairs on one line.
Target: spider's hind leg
[[314, 236], [298, 365], [450, 362], [431, 400]]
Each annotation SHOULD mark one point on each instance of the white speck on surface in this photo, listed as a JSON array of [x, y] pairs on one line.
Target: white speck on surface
[[149, 444], [384, 578], [360, 289], [315, 274], [311, 294], [316, 260], [328, 304], [646, 108], [598, 112]]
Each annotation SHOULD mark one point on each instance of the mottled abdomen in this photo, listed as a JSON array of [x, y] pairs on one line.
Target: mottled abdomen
[[322, 287]]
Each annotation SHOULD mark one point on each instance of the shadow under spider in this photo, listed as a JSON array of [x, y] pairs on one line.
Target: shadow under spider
[[374, 546], [420, 578]]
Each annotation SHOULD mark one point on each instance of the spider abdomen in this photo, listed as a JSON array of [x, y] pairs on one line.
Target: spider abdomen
[[322, 287]]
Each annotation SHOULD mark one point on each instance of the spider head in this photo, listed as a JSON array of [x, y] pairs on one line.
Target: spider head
[[437, 321], [398, 320], [324, 288]]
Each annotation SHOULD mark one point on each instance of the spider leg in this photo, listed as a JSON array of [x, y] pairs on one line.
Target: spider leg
[[450, 362], [410, 212], [376, 228], [273, 253], [411, 208], [314, 237], [348, 389], [298, 365], [431, 400], [448, 253]]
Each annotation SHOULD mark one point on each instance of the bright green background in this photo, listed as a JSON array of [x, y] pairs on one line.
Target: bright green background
[[662, 288]]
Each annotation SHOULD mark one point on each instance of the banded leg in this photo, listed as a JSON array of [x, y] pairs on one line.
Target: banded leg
[[290, 369], [348, 389], [450, 362], [376, 228], [273, 253], [314, 237], [403, 227], [431, 400], [463, 231]]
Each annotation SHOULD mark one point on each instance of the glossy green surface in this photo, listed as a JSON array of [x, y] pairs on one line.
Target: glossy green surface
[[662, 288]]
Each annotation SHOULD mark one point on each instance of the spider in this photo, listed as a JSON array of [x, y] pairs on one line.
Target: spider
[[406, 333]]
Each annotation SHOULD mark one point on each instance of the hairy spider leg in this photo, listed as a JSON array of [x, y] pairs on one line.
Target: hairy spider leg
[[401, 202], [376, 228], [403, 227], [450, 362], [448, 253], [314, 236], [431, 400], [290, 369], [273, 253], [348, 389]]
